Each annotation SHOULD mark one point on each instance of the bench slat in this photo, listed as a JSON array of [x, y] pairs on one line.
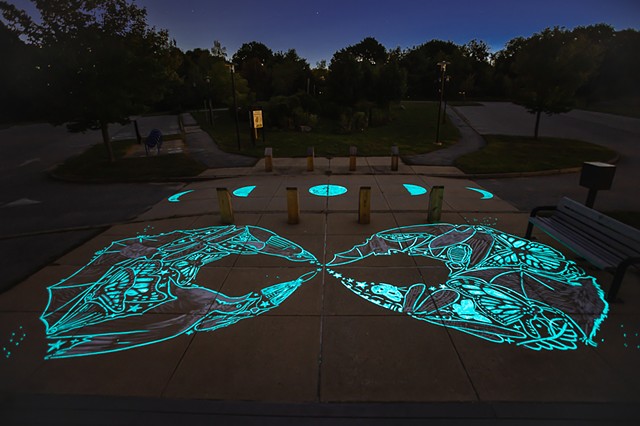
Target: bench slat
[[598, 234], [579, 244], [615, 230]]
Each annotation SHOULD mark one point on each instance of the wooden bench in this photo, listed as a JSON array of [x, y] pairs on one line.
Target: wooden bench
[[602, 241]]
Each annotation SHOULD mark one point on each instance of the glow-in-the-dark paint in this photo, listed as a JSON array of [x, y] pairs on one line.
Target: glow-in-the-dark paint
[[109, 304], [176, 197], [501, 288], [414, 189], [486, 195], [485, 221], [15, 339], [244, 191], [327, 190]]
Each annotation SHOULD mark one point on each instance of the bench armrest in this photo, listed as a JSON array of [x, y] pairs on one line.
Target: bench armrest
[[534, 213], [535, 210]]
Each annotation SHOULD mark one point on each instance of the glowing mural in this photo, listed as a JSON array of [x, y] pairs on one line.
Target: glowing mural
[[414, 189], [486, 195], [139, 291], [175, 198], [327, 190], [15, 339], [500, 287], [244, 191]]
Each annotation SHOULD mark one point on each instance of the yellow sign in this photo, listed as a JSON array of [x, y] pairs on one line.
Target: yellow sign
[[257, 119]]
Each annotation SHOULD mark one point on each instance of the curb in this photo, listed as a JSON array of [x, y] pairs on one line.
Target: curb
[[462, 175]]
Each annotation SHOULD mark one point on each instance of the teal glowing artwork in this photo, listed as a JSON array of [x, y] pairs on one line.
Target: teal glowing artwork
[[175, 198], [244, 191], [414, 189], [143, 290], [500, 287], [486, 195], [327, 190], [15, 339]]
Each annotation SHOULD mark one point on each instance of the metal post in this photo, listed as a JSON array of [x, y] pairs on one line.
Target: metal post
[[443, 68], [353, 152], [224, 202], [310, 156], [435, 204], [235, 105], [293, 207], [394, 158], [591, 198], [268, 159], [364, 205], [135, 125]]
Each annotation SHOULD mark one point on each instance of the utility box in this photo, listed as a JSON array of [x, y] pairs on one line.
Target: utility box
[[596, 175]]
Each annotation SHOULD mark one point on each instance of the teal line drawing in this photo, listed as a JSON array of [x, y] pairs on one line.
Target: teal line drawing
[[176, 197], [140, 291], [414, 189], [327, 190], [244, 191], [500, 287], [486, 195]]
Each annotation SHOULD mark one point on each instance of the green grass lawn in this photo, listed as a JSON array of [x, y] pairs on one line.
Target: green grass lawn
[[413, 129], [93, 164], [504, 154]]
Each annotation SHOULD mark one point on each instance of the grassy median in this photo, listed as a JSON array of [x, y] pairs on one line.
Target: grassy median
[[412, 129], [506, 154], [94, 165]]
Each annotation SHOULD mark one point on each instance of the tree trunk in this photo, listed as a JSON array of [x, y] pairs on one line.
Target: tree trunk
[[535, 132], [104, 127]]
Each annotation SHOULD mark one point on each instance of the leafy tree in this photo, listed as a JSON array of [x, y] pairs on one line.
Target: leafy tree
[[423, 73], [99, 61], [17, 79], [290, 73], [549, 68], [253, 62], [366, 72]]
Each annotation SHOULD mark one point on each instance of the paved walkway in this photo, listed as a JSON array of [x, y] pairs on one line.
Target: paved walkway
[[205, 150], [470, 141], [325, 350], [326, 354]]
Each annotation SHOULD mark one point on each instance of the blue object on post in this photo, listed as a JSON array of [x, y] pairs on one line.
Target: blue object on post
[[153, 140]]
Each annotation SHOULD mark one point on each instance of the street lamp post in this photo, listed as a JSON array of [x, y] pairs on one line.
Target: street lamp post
[[210, 106], [235, 103], [443, 69]]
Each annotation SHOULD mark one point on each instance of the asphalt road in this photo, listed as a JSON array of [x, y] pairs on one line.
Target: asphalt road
[[38, 215], [622, 134]]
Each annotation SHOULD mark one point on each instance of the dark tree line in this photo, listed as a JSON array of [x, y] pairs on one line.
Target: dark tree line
[[88, 63]]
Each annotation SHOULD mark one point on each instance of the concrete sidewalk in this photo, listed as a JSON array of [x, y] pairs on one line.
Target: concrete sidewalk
[[326, 354]]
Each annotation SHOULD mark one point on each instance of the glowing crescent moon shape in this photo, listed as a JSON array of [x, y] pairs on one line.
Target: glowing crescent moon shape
[[244, 191], [176, 197], [414, 189], [486, 195]]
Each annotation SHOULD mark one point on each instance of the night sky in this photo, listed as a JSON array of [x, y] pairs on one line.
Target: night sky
[[316, 29]]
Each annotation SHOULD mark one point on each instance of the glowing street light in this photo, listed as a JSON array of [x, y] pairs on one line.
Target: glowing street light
[[443, 69]]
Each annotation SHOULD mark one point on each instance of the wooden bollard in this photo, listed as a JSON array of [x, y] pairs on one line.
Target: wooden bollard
[[435, 204], [394, 158], [224, 202], [353, 152], [310, 156], [364, 206], [293, 207], [268, 159]]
